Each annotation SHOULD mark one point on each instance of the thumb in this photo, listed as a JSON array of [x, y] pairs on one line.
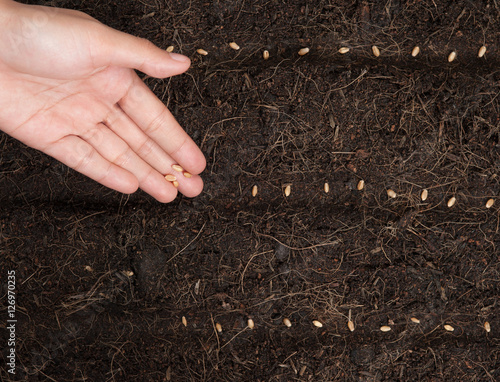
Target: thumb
[[127, 51]]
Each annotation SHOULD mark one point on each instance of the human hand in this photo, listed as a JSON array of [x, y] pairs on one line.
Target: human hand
[[68, 88]]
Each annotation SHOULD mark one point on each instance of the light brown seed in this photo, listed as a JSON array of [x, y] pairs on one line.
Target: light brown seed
[[449, 328], [288, 190], [170, 177], [375, 51], [302, 370], [250, 323], [385, 328], [350, 325], [255, 189], [203, 52], [184, 321], [265, 54], [424, 194], [391, 193], [317, 324], [344, 50], [128, 273], [175, 183], [452, 201], [361, 185], [326, 188], [482, 51], [218, 327], [234, 46], [415, 320], [452, 56], [490, 203], [487, 326], [187, 174], [303, 51], [287, 322], [415, 51], [177, 168], [170, 49], [88, 268]]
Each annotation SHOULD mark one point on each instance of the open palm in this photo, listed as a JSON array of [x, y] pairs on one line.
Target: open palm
[[68, 88]]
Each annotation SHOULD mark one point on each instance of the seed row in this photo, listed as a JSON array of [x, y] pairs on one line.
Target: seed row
[[173, 179], [361, 185], [350, 324], [342, 50]]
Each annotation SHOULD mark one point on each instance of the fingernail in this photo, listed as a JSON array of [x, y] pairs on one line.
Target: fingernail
[[179, 57]]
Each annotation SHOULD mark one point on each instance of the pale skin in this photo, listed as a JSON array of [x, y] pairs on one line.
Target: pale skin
[[68, 88]]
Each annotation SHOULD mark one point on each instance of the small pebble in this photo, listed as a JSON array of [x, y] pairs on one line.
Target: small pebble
[[415, 51], [376, 51]]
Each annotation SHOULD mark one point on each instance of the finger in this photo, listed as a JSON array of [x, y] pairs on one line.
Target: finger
[[151, 115], [149, 151], [82, 157], [117, 151], [121, 49]]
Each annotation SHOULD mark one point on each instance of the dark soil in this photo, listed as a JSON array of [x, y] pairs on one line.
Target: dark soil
[[103, 280]]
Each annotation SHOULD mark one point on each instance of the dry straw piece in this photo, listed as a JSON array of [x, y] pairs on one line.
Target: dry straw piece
[[170, 49], [288, 190], [452, 56], [415, 51], [303, 51], [317, 324], [326, 188], [265, 54], [424, 194], [234, 46], [452, 201], [203, 52], [177, 168], [184, 321], [350, 325], [415, 320], [218, 327], [449, 328], [385, 328], [361, 185], [375, 51], [481, 52], [391, 194], [287, 322], [487, 326], [490, 203], [344, 50], [255, 189]]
